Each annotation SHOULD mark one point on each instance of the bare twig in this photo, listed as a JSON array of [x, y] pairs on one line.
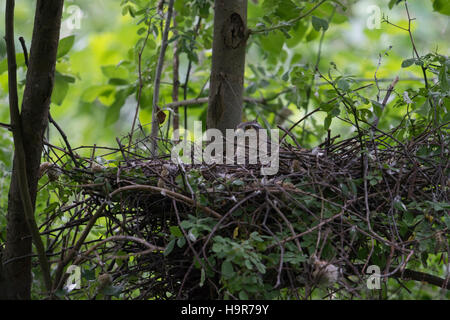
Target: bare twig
[[24, 48], [141, 82], [290, 22], [156, 86]]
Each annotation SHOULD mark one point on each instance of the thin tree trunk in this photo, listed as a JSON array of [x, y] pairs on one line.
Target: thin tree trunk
[[176, 79], [228, 64], [157, 83], [34, 120]]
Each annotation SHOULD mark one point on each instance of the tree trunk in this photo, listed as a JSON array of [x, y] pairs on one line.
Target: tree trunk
[[228, 64], [34, 119]]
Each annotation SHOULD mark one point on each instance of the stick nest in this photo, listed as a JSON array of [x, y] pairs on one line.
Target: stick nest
[[164, 230]]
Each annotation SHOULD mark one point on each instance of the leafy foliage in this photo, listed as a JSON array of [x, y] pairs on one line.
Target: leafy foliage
[[300, 59]]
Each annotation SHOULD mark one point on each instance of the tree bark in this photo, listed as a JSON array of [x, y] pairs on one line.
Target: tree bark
[[228, 64], [34, 119]]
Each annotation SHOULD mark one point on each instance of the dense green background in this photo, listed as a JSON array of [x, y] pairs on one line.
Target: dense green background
[[106, 38], [95, 91]]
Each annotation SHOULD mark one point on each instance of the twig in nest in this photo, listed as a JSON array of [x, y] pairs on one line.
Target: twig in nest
[[66, 141], [385, 100], [25, 51]]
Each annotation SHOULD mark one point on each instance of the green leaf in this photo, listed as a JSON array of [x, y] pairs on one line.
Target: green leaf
[[51, 207], [204, 10], [186, 224], [181, 242], [92, 93], [442, 6], [273, 43], [261, 268], [447, 221], [319, 23], [88, 274], [327, 122], [408, 62], [243, 295], [181, 8], [443, 78], [269, 6], [343, 84], [65, 45], [118, 82], [169, 247], [113, 113], [202, 277], [227, 269], [377, 108], [408, 218], [116, 72], [392, 3], [112, 290], [175, 231], [286, 10], [131, 12], [399, 205], [59, 91], [312, 35], [327, 107]]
